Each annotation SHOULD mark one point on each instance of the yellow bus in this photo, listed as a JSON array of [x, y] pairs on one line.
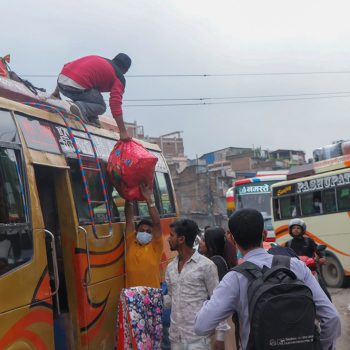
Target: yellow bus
[[321, 197], [61, 272]]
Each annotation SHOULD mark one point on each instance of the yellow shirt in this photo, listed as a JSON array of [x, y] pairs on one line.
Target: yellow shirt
[[143, 262]]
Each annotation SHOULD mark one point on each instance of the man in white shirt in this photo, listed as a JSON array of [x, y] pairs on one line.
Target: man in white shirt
[[191, 279]]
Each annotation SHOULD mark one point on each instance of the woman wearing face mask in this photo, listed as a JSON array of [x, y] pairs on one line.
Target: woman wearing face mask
[[144, 245]]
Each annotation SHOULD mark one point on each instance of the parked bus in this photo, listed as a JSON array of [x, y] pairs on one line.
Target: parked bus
[[322, 199], [255, 192], [62, 264]]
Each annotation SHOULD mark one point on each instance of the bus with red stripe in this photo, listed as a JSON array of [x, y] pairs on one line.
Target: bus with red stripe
[[254, 192]]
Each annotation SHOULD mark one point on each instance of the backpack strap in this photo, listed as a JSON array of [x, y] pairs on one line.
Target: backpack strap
[[281, 260], [249, 270], [280, 263]]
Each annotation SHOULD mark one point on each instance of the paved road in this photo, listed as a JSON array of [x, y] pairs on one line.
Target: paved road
[[341, 299]]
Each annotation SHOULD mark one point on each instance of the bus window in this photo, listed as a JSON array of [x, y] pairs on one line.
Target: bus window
[[276, 209], [118, 203], [166, 201], [142, 210], [163, 197], [16, 246], [329, 201], [288, 207], [96, 194], [343, 196], [12, 206], [311, 203], [8, 127]]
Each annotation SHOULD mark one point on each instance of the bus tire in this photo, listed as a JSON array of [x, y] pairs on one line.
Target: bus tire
[[333, 272]]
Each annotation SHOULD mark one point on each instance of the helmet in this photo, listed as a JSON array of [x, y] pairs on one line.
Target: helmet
[[298, 222]]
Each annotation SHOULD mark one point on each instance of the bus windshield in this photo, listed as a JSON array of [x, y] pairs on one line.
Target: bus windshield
[[255, 193], [258, 201]]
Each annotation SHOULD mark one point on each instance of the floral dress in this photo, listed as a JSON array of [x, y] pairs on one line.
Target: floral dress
[[140, 319]]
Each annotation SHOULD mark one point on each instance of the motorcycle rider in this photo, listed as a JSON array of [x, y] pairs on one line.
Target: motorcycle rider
[[301, 244], [305, 246]]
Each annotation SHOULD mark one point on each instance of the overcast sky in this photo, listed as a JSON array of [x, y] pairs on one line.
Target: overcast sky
[[203, 37]]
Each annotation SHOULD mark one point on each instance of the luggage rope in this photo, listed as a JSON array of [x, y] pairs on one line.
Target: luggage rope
[[81, 165]]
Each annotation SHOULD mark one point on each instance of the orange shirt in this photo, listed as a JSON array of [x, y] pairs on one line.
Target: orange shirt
[[142, 263]]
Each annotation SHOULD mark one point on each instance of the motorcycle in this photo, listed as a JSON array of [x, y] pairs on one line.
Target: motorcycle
[[314, 262], [314, 265]]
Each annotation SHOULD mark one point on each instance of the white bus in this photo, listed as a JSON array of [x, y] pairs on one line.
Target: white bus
[[255, 192], [322, 199]]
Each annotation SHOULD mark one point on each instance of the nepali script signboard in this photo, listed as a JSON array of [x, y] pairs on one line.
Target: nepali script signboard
[[253, 189]]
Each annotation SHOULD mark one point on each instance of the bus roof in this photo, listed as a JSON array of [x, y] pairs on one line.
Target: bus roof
[[314, 176], [260, 179], [320, 167], [14, 95]]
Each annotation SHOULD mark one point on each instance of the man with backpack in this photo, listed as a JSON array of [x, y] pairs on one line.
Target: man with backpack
[[279, 303]]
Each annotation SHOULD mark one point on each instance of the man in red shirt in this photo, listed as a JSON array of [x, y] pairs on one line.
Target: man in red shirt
[[84, 79]]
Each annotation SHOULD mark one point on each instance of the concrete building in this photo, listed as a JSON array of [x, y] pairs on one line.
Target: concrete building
[[201, 191], [171, 144], [289, 156], [223, 154]]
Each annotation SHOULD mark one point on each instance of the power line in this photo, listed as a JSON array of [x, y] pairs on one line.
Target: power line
[[232, 74], [236, 97], [202, 75], [233, 102]]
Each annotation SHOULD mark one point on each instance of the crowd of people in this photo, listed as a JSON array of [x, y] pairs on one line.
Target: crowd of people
[[210, 297], [214, 301]]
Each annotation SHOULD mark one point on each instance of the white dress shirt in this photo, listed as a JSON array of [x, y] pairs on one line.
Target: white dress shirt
[[187, 291]]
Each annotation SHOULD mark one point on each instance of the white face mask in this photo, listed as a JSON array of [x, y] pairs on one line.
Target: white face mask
[[144, 237]]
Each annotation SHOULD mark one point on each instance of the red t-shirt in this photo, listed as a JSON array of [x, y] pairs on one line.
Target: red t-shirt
[[98, 73]]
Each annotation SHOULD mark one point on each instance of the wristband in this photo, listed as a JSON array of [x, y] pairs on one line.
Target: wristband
[[152, 205]]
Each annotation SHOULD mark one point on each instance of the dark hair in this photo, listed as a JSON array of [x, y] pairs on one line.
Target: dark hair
[[123, 61], [187, 228], [230, 253], [246, 226], [215, 241], [144, 222]]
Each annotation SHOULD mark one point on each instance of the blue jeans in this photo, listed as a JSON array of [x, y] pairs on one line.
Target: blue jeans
[[90, 102]]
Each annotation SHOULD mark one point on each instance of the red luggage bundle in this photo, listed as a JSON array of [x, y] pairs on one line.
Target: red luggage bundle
[[129, 165]]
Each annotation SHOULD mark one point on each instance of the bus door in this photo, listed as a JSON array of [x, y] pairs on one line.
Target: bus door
[[86, 269], [25, 308], [59, 255]]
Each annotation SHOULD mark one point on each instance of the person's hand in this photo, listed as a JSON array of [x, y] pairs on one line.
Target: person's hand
[[146, 192], [219, 345], [124, 136], [322, 261]]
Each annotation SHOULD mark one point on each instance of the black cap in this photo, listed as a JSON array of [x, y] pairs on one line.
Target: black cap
[[123, 61]]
